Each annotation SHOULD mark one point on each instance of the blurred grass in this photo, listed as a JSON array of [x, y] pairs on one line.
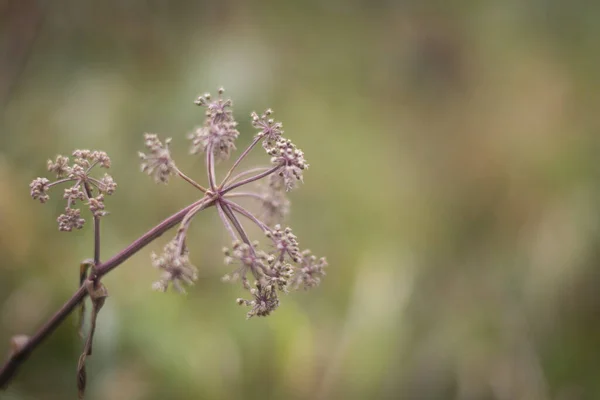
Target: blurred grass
[[453, 186]]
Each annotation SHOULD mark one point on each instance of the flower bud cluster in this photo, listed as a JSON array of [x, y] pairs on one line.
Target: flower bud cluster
[[269, 130], [291, 159], [274, 270], [158, 162], [219, 130], [176, 267], [83, 187]]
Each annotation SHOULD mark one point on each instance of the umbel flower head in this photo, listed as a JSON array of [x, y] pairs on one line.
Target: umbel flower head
[[157, 162], [83, 187], [281, 264], [176, 268], [219, 130]]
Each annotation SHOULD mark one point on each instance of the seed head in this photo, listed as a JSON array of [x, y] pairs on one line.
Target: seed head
[[310, 272], [96, 205], [248, 258], [74, 193], [265, 301], [286, 243], [175, 266], [107, 184], [269, 130], [39, 189], [286, 154], [70, 219], [60, 167], [157, 162], [219, 129]]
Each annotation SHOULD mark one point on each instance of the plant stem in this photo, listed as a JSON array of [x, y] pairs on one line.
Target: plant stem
[[210, 167], [226, 221], [18, 356], [245, 194], [239, 160], [248, 172], [191, 181], [251, 179], [248, 215]]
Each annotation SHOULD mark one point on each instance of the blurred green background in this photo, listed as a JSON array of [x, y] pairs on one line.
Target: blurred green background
[[454, 188]]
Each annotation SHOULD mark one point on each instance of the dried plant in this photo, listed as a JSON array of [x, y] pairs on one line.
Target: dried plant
[[264, 272]]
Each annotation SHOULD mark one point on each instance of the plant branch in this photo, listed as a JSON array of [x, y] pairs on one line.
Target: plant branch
[[19, 355], [251, 179], [248, 215], [239, 160], [226, 221]]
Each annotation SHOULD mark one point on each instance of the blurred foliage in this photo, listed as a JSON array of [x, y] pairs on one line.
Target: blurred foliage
[[454, 187]]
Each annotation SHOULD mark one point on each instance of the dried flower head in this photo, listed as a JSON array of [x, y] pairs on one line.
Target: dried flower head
[[60, 167], [107, 184], [39, 189], [83, 186], [270, 131], [219, 130], [286, 154], [265, 301], [158, 161], [97, 205], [176, 267], [282, 265], [311, 271], [286, 243], [281, 275], [70, 219], [275, 206], [248, 258]]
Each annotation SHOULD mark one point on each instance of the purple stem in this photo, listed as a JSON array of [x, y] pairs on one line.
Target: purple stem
[[18, 356], [251, 179], [226, 221], [248, 215], [210, 167], [239, 160]]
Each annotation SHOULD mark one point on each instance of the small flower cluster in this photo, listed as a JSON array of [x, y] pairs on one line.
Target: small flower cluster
[[219, 130], [83, 186], [273, 270], [263, 273], [176, 268], [286, 154], [158, 161], [270, 130]]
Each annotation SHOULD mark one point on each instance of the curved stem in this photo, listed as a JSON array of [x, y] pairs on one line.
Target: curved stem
[[251, 179], [226, 221], [248, 172], [239, 160], [18, 356], [248, 215], [210, 167]]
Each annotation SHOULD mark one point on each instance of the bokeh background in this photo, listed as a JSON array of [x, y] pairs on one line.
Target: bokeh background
[[454, 188]]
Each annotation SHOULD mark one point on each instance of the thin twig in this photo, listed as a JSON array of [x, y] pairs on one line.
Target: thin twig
[[245, 194], [239, 160], [191, 181], [226, 221], [248, 215], [251, 179], [248, 172]]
